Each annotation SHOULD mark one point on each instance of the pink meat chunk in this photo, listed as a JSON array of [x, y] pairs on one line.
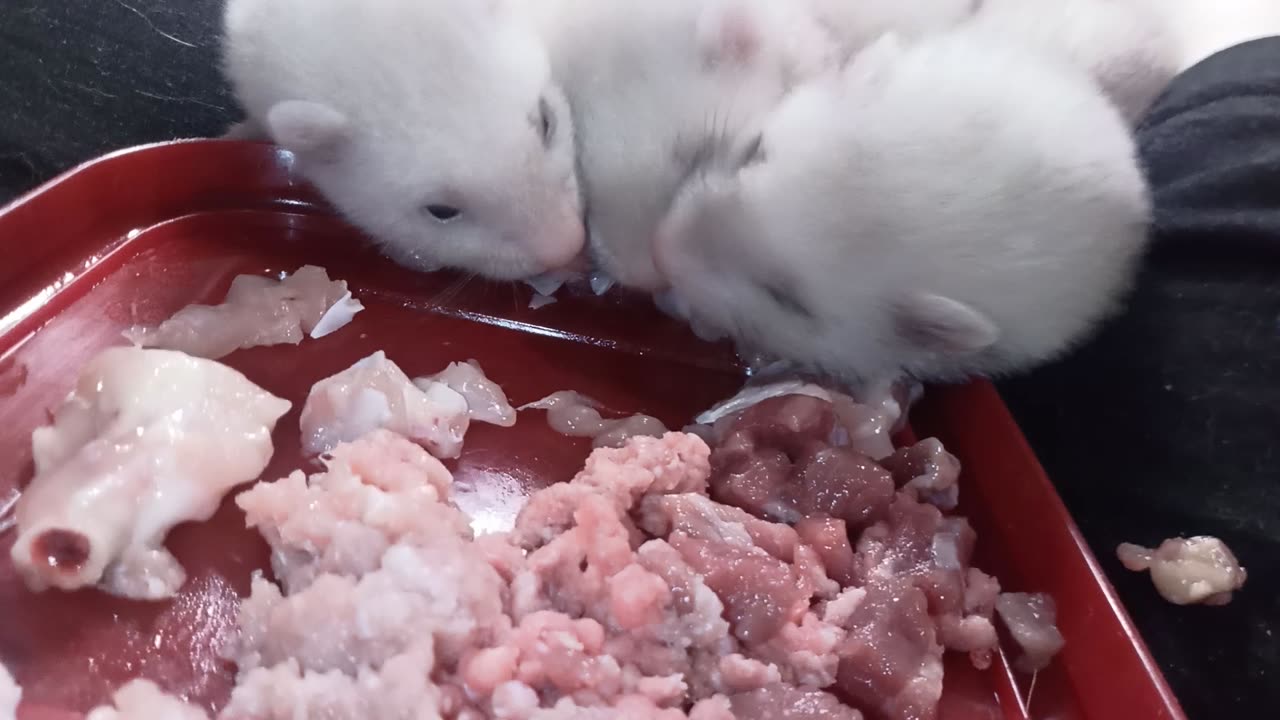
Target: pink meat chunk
[[928, 471], [829, 537], [760, 592], [696, 515], [840, 483], [1030, 618], [891, 661], [776, 463], [918, 543], [257, 311]]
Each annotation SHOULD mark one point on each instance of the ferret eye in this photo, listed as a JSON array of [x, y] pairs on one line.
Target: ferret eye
[[546, 121], [443, 213]]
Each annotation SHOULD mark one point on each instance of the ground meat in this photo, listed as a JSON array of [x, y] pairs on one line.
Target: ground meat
[[375, 493], [1188, 571], [143, 700], [784, 702], [666, 581], [912, 590], [677, 463]]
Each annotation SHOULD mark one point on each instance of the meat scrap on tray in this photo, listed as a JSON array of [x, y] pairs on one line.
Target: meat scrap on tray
[[257, 311], [147, 439], [766, 566]]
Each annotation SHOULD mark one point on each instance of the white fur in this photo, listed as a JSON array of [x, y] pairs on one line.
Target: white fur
[[947, 207], [1126, 45], [855, 24], [651, 85], [394, 105]]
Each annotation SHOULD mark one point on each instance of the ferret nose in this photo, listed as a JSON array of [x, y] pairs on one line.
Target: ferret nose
[[561, 245]]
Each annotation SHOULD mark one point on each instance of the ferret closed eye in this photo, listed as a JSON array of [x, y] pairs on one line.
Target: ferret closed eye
[[443, 213], [785, 299], [546, 122]]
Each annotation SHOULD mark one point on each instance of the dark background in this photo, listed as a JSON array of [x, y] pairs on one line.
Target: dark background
[[1165, 425]]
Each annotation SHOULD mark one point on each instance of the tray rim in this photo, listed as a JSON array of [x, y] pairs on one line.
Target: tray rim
[[982, 390]]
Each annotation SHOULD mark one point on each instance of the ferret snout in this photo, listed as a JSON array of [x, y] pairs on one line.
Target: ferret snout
[[558, 243]]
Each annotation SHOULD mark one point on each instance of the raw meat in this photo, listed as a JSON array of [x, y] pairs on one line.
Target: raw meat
[[375, 393], [374, 493], [147, 440], [891, 660], [143, 700], [667, 580], [865, 427], [383, 586], [1030, 618], [10, 695], [575, 415], [776, 462], [1187, 571], [785, 702], [257, 311], [486, 402], [755, 394], [927, 471]]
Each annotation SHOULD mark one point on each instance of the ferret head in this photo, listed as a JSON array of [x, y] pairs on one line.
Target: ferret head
[[661, 80], [434, 125], [939, 209]]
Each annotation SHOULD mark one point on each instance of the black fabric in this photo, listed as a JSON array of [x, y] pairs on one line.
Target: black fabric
[[1169, 422], [79, 78], [1166, 424]]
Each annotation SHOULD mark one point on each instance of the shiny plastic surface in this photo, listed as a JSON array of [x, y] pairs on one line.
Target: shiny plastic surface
[[137, 235]]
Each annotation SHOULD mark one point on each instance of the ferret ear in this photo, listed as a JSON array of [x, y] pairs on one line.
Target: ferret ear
[[940, 324], [872, 63], [729, 33], [305, 127]]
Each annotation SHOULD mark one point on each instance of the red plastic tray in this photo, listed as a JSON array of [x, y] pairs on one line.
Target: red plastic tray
[[138, 234]]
